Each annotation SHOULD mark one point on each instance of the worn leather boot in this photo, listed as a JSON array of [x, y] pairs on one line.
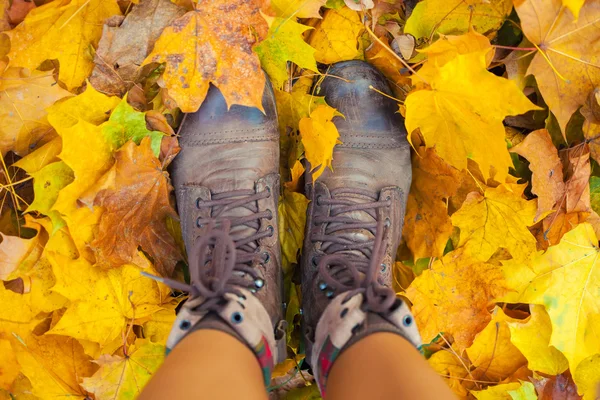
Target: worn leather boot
[[226, 181], [354, 222]]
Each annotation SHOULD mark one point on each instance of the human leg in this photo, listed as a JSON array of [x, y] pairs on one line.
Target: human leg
[[208, 364], [384, 366]]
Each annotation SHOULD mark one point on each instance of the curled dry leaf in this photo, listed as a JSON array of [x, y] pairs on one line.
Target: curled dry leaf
[[135, 197], [124, 47]]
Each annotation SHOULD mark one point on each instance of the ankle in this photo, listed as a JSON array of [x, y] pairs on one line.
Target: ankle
[[347, 321]]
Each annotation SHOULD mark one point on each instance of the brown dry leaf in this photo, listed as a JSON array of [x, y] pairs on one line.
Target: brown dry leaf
[[574, 206], [125, 46], [546, 167], [135, 197], [560, 387], [213, 44], [427, 225], [453, 297], [567, 66], [18, 10]]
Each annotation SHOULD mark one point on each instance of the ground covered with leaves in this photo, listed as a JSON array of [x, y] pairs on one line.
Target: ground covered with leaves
[[500, 249]]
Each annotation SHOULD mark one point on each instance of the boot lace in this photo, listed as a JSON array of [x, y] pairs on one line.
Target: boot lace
[[351, 265], [221, 205], [216, 269]]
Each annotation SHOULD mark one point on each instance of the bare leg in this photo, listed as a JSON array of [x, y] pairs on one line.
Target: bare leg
[[384, 366], [208, 364]]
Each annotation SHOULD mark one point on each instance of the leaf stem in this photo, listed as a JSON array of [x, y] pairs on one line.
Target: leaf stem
[[387, 48]]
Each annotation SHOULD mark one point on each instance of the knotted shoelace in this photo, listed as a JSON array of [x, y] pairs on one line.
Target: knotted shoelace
[[216, 269], [354, 273]]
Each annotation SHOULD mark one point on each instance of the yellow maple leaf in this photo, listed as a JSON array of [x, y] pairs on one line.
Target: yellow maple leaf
[[532, 338], [449, 46], [492, 352], [54, 364], [82, 138], [124, 377], [102, 302], [427, 226], [284, 43], [292, 218], [23, 99], [507, 391], [498, 219], [42, 156], [566, 66], [158, 327], [319, 137], [63, 30], [456, 16], [453, 297], [90, 106], [298, 8], [460, 112], [336, 38], [212, 44], [564, 279], [587, 377], [8, 365], [453, 369]]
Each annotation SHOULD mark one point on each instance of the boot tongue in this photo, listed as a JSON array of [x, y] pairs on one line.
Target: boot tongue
[[352, 235], [240, 232]]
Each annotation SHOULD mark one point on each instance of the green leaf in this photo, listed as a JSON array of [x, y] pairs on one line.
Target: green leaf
[[284, 43]]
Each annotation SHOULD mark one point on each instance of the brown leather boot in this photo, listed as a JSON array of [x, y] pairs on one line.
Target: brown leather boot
[[354, 221], [226, 180]]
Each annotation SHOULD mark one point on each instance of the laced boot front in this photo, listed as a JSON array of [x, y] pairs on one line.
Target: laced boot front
[[223, 280], [354, 222], [227, 176]]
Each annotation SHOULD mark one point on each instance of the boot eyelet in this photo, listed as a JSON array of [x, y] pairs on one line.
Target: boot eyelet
[[271, 230], [270, 217], [388, 198], [267, 257], [329, 294], [407, 320], [268, 189], [237, 317], [322, 286], [313, 261], [198, 224], [319, 200], [185, 325], [343, 313], [259, 283], [388, 223], [383, 267], [198, 200]]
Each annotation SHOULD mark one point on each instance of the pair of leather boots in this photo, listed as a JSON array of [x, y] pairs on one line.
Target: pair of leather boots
[[227, 187]]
